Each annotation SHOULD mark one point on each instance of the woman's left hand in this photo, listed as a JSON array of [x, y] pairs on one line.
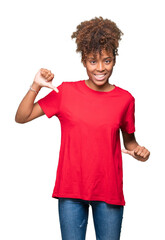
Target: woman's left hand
[[139, 153]]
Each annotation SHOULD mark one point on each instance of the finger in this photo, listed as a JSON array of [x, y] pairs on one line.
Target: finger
[[44, 71], [139, 151], [55, 89], [144, 153], [147, 154], [49, 85], [50, 78], [48, 74], [127, 152], [141, 154], [124, 151]]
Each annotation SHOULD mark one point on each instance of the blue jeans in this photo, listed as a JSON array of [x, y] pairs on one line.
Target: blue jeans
[[73, 216]]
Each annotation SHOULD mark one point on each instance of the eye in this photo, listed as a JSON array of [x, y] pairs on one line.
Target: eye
[[92, 62], [108, 61]]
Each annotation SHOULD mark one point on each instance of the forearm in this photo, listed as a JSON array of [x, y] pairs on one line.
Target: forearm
[[26, 106], [129, 141], [131, 145], [133, 148]]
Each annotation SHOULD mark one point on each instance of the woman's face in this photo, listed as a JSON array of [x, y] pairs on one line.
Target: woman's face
[[99, 69]]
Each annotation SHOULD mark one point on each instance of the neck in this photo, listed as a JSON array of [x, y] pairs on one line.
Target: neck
[[104, 87]]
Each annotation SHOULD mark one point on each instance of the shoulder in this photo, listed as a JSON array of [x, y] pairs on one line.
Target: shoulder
[[64, 85], [69, 84], [125, 94]]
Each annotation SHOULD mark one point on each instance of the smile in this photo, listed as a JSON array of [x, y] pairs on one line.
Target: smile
[[99, 76]]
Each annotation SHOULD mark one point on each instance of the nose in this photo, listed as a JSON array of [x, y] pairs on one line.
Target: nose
[[100, 66]]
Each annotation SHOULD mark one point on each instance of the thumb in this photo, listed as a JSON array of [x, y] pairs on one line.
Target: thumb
[[125, 151], [49, 85], [131, 153]]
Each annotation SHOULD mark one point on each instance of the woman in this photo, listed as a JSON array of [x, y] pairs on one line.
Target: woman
[[91, 112]]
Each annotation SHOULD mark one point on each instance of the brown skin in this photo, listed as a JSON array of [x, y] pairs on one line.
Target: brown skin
[[133, 148], [103, 64], [28, 110], [92, 36]]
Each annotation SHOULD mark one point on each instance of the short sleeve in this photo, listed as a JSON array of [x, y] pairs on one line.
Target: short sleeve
[[128, 122], [50, 104]]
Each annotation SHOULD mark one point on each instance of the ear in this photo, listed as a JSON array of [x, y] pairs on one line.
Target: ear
[[114, 61], [84, 63]]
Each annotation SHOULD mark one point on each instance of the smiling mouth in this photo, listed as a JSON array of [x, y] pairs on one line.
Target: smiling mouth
[[99, 76]]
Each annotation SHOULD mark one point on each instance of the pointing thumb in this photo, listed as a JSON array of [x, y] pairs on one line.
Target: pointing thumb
[[124, 151], [52, 87], [55, 89]]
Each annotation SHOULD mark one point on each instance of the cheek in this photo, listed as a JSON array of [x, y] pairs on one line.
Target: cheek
[[89, 70], [111, 69]]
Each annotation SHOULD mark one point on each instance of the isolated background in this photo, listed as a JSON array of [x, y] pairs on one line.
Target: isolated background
[[36, 34]]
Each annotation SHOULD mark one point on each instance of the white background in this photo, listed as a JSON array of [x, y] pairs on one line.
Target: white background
[[37, 34]]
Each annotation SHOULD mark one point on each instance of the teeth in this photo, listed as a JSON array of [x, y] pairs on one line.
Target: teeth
[[100, 76]]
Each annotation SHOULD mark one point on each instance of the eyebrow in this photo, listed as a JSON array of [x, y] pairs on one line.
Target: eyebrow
[[104, 58]]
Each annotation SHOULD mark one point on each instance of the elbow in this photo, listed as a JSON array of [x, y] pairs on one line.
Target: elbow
[[19, 120]]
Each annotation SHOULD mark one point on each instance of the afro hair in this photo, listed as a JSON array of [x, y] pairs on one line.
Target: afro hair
[[95, 35]]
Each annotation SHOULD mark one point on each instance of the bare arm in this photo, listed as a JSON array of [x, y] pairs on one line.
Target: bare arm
[[129, 141], [133, 148], [28, 110]]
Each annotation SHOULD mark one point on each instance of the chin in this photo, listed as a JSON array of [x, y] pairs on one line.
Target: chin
[[100, 82]]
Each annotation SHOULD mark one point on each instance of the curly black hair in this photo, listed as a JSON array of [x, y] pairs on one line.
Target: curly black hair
[[95, 35]]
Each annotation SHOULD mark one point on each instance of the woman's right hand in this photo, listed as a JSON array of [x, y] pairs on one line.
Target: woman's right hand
[[44, 78]]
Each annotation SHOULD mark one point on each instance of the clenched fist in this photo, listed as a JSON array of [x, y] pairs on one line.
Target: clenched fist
[[44, 78], [140, 153]]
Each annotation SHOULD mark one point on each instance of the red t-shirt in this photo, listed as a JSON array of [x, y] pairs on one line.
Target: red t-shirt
[[90, 158]]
